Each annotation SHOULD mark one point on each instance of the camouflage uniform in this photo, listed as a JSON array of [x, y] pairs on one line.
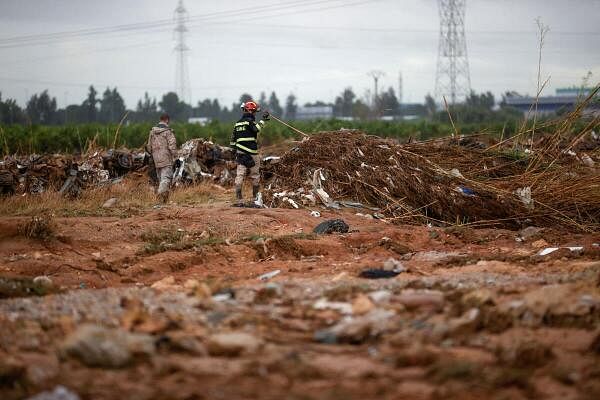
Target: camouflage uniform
[[163, 147]]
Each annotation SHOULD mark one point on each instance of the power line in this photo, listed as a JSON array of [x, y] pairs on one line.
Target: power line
[[293, 6]]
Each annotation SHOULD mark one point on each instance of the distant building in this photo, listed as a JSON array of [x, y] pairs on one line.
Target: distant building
[[314, 112], [565, 99], [199, 120]]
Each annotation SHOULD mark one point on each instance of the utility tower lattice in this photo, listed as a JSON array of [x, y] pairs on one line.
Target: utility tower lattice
[[182, 76], [452, 78], [376, 75]]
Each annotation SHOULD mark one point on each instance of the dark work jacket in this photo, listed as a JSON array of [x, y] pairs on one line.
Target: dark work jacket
[[245, 134]]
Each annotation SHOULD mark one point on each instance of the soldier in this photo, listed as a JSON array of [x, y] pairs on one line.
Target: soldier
[[245, 142], [163, 148]]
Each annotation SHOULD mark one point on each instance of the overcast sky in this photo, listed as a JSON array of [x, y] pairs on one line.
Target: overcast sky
[[313, 48]]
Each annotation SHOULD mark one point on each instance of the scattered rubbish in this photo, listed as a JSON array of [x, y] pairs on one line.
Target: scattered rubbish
[[550, 250], [315, 214], [456, 173], [525, 195], [466, 191], [269, 275], [331, 226], [374, 273], [110, 203]]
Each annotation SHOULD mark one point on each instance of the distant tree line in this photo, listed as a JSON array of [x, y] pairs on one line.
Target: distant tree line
[[41, 109]]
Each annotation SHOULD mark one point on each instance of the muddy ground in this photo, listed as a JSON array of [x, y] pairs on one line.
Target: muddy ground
[[168, 304]]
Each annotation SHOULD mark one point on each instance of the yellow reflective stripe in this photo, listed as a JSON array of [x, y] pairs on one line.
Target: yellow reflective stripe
[[242, 123], [239, 146], [246, 139]]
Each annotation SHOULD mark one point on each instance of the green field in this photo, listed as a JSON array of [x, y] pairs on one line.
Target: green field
[[75, 138]]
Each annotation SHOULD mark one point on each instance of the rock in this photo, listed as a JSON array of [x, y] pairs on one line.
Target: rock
[[167, 283], [179, 341], [233, 344], [96, 346], [43, 282], [59, 393], [344, 274], [267, 293], [362, 305], [356, 330], [331, 226], [422, 298], [41, 368], [478, 298], [110, 203], [531, 233], [595, 346], [539, 244], [198, 289], [380, 296], [526, 353], [467, 323], [97, 256], [341, 307], [391, 264], [11, 370]]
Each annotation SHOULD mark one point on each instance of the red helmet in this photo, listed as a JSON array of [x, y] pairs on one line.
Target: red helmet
[[250, 106]]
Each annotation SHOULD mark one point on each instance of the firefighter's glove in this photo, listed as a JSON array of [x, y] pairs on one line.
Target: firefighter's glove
[[266, 116]]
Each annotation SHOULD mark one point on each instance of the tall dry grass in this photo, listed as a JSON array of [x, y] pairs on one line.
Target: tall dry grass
[[133, 197]]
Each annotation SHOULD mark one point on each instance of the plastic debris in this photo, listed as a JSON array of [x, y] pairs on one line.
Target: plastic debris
[[269, 275], [550, 250], [331, 226], [378, 273], [525, 196]]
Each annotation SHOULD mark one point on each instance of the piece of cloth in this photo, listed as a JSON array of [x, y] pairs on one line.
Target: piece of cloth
[[165, 175], [245, 134], [162, 145], [253, 172]]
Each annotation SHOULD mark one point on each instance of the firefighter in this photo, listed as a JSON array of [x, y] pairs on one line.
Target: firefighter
[[162, 145], [244, 141]]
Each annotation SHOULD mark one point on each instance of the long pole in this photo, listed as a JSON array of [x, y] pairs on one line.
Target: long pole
[[289, 126]]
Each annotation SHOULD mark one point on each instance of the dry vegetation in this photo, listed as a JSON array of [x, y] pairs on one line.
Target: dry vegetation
[[133, 196]]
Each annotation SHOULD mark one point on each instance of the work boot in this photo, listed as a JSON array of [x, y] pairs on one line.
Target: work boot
[[255, 189], [163, 197], [238, 193]]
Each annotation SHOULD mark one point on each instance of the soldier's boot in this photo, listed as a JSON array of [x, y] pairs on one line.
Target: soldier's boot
[[238, 194], [255, 189]]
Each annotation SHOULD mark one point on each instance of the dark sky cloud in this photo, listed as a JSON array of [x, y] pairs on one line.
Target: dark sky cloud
[[313, 54]]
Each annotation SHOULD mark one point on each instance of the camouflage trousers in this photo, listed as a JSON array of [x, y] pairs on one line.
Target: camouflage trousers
[[165, 175], [253, 173]]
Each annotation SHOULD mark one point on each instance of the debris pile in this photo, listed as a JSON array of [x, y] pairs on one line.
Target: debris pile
[[201, 159], [435, 181], [198, 160]]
